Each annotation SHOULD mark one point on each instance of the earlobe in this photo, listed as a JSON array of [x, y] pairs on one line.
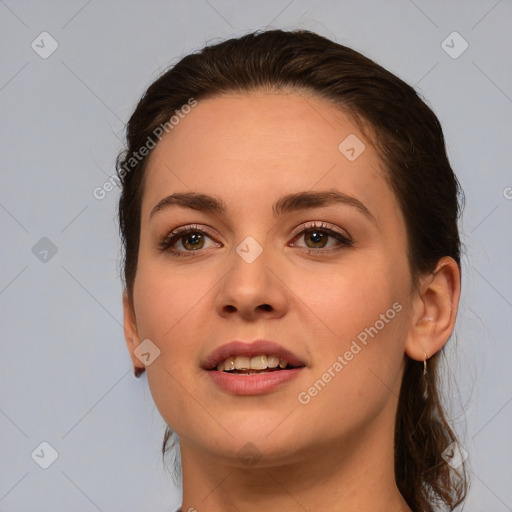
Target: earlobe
[[131, 333], [434, 311]]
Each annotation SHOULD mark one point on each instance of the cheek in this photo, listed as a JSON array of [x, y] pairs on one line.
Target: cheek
[[165, 298], [165, 303], [343, 300], [165, 317], [360, 322]]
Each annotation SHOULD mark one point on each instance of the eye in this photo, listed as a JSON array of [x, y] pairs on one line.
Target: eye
[[317, 235], [184, 241], [189, 241]]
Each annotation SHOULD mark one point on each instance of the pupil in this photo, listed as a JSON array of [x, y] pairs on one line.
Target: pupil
[[316, 237], [191, 240]]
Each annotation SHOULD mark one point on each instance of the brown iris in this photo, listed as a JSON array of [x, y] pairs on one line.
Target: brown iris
[[193, 238], [317, 237]]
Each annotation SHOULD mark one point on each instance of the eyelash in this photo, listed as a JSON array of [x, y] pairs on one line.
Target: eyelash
[[168, 241]]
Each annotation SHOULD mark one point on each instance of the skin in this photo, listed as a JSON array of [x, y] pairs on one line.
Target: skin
[[335, 452]]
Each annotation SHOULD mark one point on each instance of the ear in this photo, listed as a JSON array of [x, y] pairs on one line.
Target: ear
[[130, 333], [434, 310]]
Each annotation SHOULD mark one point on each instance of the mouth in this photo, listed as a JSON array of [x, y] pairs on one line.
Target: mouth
[[249, 358], [254, 374], [255, 365], [253, 368]]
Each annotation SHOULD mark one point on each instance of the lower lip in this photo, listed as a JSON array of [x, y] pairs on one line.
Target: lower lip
[[256, 384]]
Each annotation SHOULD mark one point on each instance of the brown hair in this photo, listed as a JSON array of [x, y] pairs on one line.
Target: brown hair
[[410, 141]]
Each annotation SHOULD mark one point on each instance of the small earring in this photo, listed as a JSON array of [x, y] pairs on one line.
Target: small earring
[[425, 364]]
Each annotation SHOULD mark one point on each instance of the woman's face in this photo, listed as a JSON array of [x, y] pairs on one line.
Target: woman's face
[[325, 279]]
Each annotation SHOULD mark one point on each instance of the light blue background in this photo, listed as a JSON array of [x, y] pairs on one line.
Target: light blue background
[[66, 376]]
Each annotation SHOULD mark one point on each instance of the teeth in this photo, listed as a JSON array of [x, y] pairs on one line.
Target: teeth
[[228, 364], [272, 361], [242, 363], [259, 362]]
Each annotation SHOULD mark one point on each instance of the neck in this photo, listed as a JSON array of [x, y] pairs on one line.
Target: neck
[[353, 475]]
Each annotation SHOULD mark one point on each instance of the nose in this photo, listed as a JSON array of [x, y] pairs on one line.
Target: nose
[[252, 290]]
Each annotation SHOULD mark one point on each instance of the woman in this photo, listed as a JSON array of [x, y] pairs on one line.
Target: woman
[[292, 274]]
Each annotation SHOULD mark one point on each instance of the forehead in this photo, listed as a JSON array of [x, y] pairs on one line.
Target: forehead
[[256, 147]]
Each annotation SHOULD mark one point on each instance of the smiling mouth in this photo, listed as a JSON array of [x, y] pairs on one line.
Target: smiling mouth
[[244, 365]]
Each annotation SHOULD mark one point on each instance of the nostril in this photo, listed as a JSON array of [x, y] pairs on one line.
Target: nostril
[[266, 307]]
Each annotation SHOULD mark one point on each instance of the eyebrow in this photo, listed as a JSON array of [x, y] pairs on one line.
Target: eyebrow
[[286, 204]]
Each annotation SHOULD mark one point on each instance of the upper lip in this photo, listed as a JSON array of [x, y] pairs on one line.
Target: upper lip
[[250, 349]]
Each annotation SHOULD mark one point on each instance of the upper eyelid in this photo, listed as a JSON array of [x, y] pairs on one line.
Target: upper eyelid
[[321, 226], [306, 226]]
